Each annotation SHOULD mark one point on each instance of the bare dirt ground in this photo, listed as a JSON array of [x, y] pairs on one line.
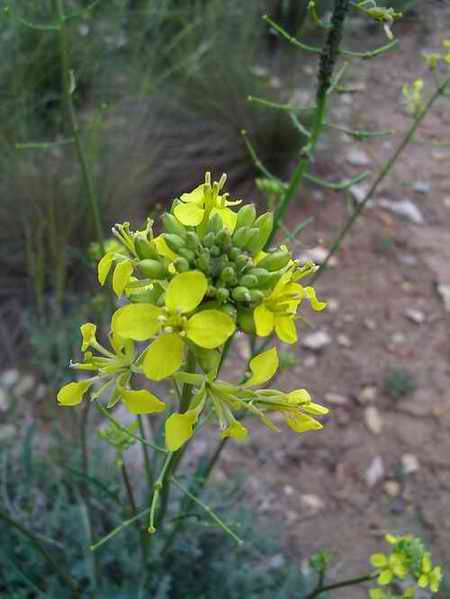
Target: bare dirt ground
[[381, 464]]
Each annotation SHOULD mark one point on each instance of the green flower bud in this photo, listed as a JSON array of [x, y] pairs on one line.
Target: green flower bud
[[175, 242], [249, 281], [215, 224], [245, 216], [275, 260], [209, 240], [228, 275], [215, 251], [181, 265], [251, 238], [152, 269], [145, 248], [265, 278], [256, 296], [264, 224], [211, 291], [241, 294], [222, 295], [186, 253], [246, 321], [204, 263], [240, 236], [234, 253], [192, 240], [242, 261], [172, 225], [223, 238]]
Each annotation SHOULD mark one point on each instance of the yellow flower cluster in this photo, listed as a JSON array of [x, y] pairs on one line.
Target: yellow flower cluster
[[408, 561], [433, 59], [188, 290]]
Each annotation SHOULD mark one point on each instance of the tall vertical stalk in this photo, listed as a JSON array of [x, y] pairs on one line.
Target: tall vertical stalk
[[67, 83]]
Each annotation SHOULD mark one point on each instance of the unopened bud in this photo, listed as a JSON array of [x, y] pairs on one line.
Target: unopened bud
[[249, 281], [172, 225], [152, 269], [246, 216], [175, 242], [275, 260], [241, 294]]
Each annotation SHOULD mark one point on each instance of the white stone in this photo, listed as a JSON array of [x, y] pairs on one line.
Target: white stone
[[332, 305], [415, 316], [444, 292], [422, 186], [357, 157], [310, 361], [405, 208], [313, 503], [25, 385], [392, 488], [336, 399], [359, 192], [9, 378], [410, 463], [398, 338], [375, 471], [370, 324], [316, 341], [343, 340], [373, 419], [368, 394]]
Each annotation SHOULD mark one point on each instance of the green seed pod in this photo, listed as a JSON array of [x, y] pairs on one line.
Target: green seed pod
[[145, 248], [222, 295], [181, 265], [172, 225], [152, 269], [241, 294], [188, 254], [256, 296], [249, 281], [246, 321], [245, 216], [275, 260], [264, 224], [175, 242], [214, 224], [192, 240]]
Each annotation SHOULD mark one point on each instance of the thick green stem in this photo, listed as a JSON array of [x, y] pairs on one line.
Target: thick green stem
[[338, 585], [68, 83], [383, 173], [65, 578], [328, 59]]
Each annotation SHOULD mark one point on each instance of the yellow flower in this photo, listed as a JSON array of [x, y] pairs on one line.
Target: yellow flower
[[179, 428], [389, 567], [278, 310], [173, 325], [430, 577], [204, 202], [72, 393]]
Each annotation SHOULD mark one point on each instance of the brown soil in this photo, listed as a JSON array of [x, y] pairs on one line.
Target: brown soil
[[386, 267]]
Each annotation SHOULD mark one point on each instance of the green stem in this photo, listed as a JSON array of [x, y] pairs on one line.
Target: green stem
[[121, 526], [133, 509], [65, 578], [147, 464], [160, 484], [383, 173], [338, 585], [67, 80], [328, 59]]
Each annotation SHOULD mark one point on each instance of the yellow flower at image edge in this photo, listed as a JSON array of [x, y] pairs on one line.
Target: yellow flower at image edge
[[207, 328], [72, 394], [430, 577]]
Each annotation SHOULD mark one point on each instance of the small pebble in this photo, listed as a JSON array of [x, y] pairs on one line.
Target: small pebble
[[392, 488], [370, 324], [422, 186], [357, 157], [405, 209], [368, 394], [373, 419], [398, 338], [410, 463], [310, 361], [332, 305], [375, 471], [415, 316], [316, 341], [343, 341], [336, 399], [25, 385], [313, 503], [444, 292], [9, 378]]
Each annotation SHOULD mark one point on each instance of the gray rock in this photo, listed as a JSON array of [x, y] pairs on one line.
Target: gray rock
[[375, 471], [357, 157], [405, 209], [422, 186], [444, 292], [25, 385], [316, 341], [9, 378], [415, 316]]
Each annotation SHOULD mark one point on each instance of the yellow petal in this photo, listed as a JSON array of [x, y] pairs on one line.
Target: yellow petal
[[315, 409], [179, 429], [189, 215], [301, 423], [72, 393], [316, 305], [385, 577], [210, 328], [104, 266], [163, 249], [378, 560], [88, 331], [136, 321], [228, 217], [121, 276], [185, 291], [235, 430], [196, 196], [285, 329], [141, 402], [264, 321], [164, 357], [299, 397], [263, 367]]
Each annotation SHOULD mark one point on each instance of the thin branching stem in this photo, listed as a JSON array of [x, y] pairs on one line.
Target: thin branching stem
[[339, 585]]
